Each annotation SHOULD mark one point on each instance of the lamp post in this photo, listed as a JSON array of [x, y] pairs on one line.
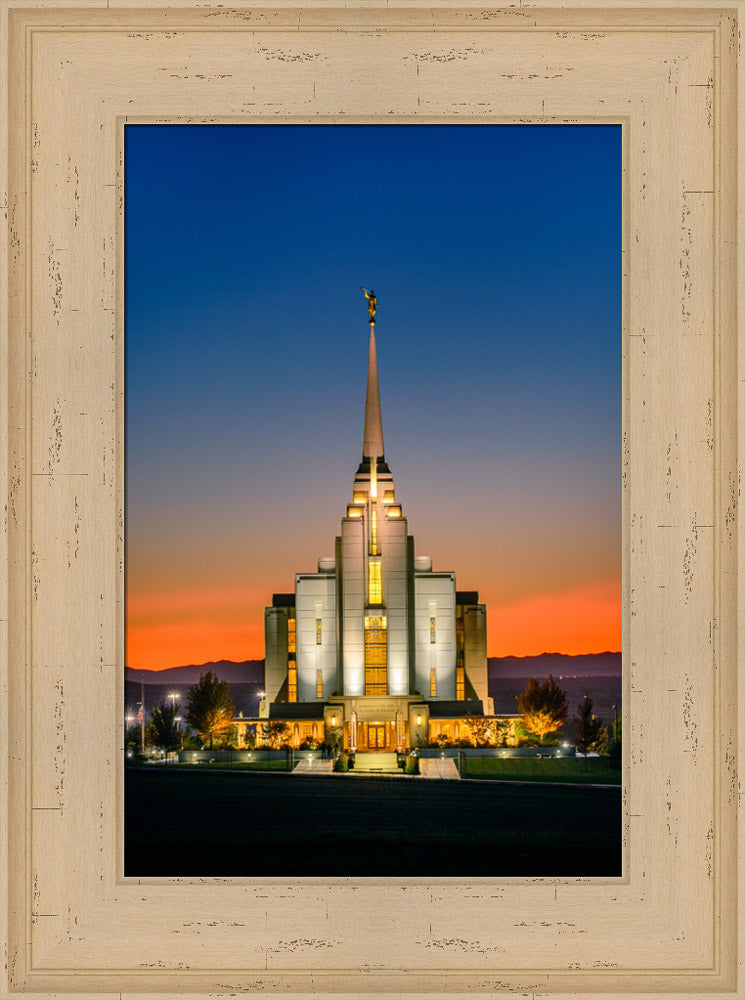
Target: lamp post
[[128, 720], [142, 714]]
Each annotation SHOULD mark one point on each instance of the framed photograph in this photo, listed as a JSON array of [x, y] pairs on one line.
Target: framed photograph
[[78, 924], [284, 611]]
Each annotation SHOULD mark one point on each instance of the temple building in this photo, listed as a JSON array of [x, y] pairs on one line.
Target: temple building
[[376, 648]]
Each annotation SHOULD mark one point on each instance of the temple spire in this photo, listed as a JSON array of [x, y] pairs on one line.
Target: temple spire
[[372, 446]]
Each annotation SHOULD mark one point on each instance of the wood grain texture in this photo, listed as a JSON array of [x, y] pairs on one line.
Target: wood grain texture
[[76, 72]]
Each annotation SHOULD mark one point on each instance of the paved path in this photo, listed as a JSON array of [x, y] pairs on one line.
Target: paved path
[[439, 767], [314, 766]]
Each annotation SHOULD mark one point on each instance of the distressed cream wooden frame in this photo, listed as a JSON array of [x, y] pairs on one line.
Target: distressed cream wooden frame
[[670, 927]]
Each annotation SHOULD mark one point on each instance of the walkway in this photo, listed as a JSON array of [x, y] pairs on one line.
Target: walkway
[[439, 767], [313, 766]]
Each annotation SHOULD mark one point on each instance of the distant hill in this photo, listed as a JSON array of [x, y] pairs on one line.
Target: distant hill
[[245, 672], [559, 664]]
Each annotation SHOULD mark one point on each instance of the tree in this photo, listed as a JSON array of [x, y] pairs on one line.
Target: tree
[[481, 729], [275, 733], [614, 748], [590, 732], [133, 739], [162, 730], [189, 741], [543, 707], [209, 707]]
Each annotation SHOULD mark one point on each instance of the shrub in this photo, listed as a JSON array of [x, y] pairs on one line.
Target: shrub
[[614, 755], [411, 764], [342, 762]]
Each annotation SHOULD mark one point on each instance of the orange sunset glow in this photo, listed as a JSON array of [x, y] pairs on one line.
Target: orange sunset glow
[[172, 628]]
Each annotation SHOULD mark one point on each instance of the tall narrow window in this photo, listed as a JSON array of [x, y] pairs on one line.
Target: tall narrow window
[[291, 661], [460, 657], [373, 530], [318, 631], [376, 655], [433, 629], [319, 684], [374, 583], [433, 683]]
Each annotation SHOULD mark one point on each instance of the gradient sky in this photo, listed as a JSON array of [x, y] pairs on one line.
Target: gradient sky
[[495, 253]]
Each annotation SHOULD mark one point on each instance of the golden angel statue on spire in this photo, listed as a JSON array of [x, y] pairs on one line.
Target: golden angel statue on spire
[[372, 302]]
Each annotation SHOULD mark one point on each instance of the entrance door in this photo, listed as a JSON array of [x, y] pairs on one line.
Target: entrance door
[[376, 736]]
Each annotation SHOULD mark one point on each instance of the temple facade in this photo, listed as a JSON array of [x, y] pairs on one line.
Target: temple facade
[[377, 649]]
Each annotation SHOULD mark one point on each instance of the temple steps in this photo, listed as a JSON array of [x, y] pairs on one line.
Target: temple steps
[[376, 763]]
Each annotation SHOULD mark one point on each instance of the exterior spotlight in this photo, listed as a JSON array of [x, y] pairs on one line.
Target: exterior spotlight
[[333, 720], [419, 720]]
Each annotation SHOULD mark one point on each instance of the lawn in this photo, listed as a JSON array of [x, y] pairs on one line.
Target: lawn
[[210, 822], [595, 770]]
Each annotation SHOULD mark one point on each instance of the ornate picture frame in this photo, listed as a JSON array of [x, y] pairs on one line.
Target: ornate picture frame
[[76, 72]]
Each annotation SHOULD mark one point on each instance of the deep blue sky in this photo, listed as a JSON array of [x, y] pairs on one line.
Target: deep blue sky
[[495, 253]]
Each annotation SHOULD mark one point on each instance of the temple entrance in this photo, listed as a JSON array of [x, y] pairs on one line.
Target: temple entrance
[[377, 736]]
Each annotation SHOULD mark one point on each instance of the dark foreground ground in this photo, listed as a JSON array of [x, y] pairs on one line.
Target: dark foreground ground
[[197, 823]]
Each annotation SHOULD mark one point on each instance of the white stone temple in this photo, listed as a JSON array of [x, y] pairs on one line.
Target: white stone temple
[[377, 647]]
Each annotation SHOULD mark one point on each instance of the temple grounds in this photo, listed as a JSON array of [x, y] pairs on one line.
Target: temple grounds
[[228, 822]]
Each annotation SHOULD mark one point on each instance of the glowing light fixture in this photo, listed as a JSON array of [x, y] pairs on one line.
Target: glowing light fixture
[[419, 720], [333, 720]]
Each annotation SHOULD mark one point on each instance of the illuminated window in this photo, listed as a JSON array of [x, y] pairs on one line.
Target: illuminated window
[[460, 670], [376, 656], [359, 497], [393, 511], [432, 629], [373, 531], [291, 661], [374, 583], [389, 496], [433, 683], [318, 631], [319, 684], [353, 511]]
